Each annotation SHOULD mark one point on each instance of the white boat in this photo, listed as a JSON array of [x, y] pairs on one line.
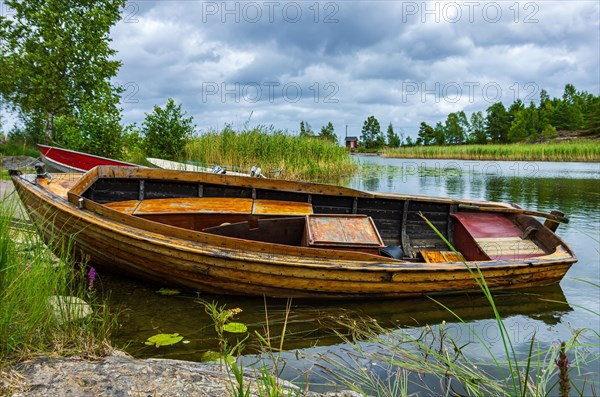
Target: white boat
[[177, 166]]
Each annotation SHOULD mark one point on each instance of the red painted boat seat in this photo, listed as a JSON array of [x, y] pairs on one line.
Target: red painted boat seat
[[485, 236]]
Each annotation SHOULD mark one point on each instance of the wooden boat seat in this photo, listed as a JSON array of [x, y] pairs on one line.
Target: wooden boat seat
[[348, 232], [211, 205], [485, 236], [59, 184], [441, 256]]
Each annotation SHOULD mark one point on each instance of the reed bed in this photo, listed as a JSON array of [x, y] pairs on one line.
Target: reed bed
[[278, 154], [581, 150], [42, 296]]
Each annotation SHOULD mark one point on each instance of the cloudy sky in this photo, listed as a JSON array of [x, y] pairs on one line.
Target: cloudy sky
[[277, 63]]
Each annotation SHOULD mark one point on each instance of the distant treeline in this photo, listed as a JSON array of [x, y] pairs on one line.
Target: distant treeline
[[576, 110]]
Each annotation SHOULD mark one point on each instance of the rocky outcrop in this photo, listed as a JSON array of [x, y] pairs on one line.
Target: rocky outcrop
[[121, 375]]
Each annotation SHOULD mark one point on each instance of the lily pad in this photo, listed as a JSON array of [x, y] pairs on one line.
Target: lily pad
[[235, 328], [212, 356], [163, 339], [168, 291]]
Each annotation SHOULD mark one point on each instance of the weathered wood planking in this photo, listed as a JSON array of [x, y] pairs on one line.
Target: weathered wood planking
[[181, 254]]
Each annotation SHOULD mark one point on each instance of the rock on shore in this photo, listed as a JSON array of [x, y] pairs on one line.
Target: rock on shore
[[120, 375]]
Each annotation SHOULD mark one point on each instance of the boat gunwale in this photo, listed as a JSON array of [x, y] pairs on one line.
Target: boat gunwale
[[362, 260], [49, 159], [108, 218], [115, 172]]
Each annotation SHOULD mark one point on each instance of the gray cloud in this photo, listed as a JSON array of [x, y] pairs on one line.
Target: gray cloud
[[403, 62]]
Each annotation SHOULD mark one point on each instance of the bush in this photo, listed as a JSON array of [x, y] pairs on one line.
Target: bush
[[166, 131]]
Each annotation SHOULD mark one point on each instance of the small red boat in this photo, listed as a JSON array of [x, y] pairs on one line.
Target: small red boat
[[65, 160]]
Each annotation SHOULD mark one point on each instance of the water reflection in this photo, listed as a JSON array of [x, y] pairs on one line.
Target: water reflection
[[145, 312], [573, 188], [537, 186]]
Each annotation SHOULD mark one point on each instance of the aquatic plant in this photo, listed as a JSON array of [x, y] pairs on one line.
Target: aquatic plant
[[159, 340], [277, 153], [222, 320], [579, 150]]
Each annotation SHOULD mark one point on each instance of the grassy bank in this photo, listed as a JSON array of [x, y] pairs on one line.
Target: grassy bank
[[578, 150], [41, 311], [278, 154], [18, 148]]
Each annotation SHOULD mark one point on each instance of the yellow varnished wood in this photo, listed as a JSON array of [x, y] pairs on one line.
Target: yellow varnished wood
[[273, 207], [115, 241], [441, 256], [59, 184], [195, 205], [126, 207]]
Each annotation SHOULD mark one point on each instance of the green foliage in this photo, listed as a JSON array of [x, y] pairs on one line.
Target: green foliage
[[55, 56], [393, 140], [133, 151], [592, 117], [477, 129], [327, 133], [221, 318], [497, 123], [166, 131], [18, 148], [426, 134], [455, 128], [305, 130], [525, 125], [576, 110], [30, 131], [568, 113], [371, 136], [95, 128]]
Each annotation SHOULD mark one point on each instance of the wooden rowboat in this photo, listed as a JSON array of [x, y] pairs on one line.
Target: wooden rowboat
[[65, 160], [249, 236]]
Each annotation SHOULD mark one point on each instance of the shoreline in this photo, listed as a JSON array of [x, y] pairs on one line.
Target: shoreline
[[489, 159], [120, 374], [580, 150]]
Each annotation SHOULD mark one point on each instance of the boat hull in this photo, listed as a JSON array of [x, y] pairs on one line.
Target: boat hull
[[119, 243], [65, 160]]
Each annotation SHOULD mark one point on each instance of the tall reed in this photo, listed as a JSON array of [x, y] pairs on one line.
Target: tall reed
[[579, 150], [40, 310], [409, 359], [277, 153]]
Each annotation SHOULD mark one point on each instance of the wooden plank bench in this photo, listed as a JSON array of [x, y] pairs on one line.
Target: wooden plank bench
[[211, 205]]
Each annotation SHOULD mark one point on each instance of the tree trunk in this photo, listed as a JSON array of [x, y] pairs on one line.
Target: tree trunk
[[48, 132]]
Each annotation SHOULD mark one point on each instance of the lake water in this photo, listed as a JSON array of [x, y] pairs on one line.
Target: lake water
[[550, 315]]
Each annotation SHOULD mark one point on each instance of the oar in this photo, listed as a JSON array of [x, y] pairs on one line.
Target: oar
[[557, 217]]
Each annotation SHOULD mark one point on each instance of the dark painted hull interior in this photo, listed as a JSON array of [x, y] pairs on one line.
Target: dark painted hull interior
[[398, 221]]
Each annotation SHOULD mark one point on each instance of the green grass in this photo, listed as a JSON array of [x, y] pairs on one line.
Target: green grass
[[578, 150], [18, 148], [29, 276], [277, 153]]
